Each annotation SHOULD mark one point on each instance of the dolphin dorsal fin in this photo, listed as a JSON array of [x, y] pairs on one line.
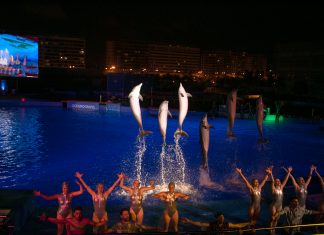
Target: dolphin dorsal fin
[[189, 95], [140, 97]]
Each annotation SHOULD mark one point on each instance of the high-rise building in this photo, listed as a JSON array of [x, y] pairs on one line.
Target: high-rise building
[[223, 63], [62, 52], [159, 58], [153, 58], [126, 56], [173, 59]]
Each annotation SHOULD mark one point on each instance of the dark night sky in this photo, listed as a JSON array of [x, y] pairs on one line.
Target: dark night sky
[[236, 25]]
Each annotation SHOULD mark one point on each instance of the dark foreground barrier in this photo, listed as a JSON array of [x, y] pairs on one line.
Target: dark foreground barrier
[[16, 206]]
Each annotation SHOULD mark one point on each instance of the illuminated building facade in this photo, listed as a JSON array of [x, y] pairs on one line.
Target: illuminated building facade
[[159, 58], [173, 59], [151, 58], [126, 57], [223, 63], [62, 52]]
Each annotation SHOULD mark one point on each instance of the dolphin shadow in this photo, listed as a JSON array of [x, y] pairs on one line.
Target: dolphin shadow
[[205, 181], [231, 138], [263, 141]]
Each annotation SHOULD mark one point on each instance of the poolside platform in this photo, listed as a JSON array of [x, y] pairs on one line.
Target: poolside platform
[[16, 206], [90, 105]]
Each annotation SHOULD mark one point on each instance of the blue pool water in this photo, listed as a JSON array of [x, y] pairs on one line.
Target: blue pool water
[[41, 147]]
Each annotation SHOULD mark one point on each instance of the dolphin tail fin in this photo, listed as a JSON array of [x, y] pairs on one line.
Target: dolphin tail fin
[[144, 132], [230, 133], [181, 132], [163, 144], [205, 167]]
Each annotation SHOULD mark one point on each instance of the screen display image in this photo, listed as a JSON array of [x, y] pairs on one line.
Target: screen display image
[[18, 56]]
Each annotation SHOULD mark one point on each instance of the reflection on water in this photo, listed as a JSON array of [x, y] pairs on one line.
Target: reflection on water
[[41, 147], [21, 140]]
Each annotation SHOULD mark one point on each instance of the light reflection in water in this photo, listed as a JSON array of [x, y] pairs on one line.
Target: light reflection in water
[[20, 142], [41, 147]]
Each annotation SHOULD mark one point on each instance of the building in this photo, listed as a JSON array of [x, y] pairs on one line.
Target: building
[[126, 57], [61, 52], [173, 59], [162, 59], [151, 58], [223, 63]]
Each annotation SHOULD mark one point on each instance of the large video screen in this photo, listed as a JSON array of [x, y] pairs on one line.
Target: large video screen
[[18, 56]]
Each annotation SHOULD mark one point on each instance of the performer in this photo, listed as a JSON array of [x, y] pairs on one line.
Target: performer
[[99, 200], [136, 196], [171, 212], [255, 191], [277, 194], [65, 200], [301, 187], [77, 224]]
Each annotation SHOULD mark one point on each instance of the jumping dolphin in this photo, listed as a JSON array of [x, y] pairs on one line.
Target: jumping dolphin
[[134, 97], [163, 118], [204, 140], [259, 119], [183, 109], [231, 109]]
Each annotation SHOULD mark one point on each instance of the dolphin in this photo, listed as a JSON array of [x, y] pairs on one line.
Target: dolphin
[[134, 97], [231, 110], [163, 119], [183, 109], [259, 119], [204, 140]]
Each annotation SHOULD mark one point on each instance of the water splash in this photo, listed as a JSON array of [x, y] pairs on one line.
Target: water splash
[[180, 159], [204, 180], [140, 151], [173, 164], [179, 187], [162, 157]]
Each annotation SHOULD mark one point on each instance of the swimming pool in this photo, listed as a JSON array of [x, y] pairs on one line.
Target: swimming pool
[[41, 147]]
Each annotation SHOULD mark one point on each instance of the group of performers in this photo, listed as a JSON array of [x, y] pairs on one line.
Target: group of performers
[[132, 218], [99, 198], [276, 209]]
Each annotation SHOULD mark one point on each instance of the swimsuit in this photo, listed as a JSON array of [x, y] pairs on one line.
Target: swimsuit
[[301, 194], [99, 205], [64, 201], [171, 206], [277, 198], [99, 214], [136, 201], [255, 197]]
